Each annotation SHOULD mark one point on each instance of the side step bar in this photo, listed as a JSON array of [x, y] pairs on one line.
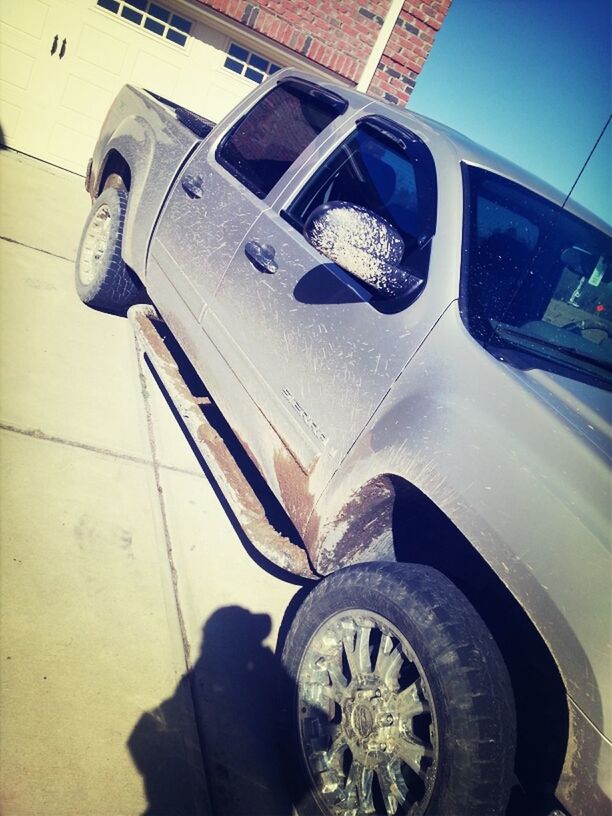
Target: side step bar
[[241, 497]]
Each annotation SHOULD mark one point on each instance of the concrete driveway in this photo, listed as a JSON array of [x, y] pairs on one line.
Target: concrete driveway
[[137, 632]]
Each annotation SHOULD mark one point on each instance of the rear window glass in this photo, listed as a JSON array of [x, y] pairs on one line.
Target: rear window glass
[[263, 145]]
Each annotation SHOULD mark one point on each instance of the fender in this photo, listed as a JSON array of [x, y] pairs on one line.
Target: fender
[[155, 146]]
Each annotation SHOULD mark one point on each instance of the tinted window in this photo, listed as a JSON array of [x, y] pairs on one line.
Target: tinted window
[[536, 277], [263, 145], [372, 173]]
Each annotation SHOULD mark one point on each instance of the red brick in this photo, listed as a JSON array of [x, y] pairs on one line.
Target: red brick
[[314, 51], [273, 25], [339, 63]]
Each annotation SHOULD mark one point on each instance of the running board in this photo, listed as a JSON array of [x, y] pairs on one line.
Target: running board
[[241, 497]]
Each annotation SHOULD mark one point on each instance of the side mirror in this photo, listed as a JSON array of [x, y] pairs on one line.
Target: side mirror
[[362, 243]]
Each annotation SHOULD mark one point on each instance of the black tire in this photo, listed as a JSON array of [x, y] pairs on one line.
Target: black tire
[[102, 279], [448, 742]]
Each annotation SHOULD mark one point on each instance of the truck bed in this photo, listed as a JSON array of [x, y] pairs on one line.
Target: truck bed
[[155, 137]]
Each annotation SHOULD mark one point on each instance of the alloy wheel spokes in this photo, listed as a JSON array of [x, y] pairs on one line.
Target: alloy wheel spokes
[[389, 662], [392, 785], [374, 748]]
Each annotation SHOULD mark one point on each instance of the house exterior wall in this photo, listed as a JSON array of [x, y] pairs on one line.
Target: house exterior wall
[[340, 35]]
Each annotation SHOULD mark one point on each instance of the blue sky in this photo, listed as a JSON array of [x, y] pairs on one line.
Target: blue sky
[[532, 80]]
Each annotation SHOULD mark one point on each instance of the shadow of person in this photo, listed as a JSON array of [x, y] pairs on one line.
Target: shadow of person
[[233, 689], [236, 683], [165, 748]]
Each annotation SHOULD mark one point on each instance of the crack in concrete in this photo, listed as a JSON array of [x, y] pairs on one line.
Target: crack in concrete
[[162, 506], [35, 249], [173, 571], [36, 433]]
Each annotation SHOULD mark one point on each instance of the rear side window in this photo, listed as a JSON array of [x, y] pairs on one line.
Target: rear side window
[[266, 142]]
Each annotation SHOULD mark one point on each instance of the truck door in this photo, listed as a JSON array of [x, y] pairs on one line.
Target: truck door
[[223, 190], [315, 349]]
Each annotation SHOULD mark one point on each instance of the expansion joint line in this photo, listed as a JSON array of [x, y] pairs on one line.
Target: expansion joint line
[[173, 572], [34, 248], [162, 504]]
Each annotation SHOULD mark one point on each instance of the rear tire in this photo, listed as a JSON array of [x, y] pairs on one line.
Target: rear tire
[[102, 279], [402, 703]]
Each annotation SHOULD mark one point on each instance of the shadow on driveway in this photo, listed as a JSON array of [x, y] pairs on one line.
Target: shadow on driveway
[[237, 686]]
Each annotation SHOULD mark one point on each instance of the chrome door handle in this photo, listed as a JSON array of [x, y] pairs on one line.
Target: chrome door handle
[[193, 186], [261, 256]]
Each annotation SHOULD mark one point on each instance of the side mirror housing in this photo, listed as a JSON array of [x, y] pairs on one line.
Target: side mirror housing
[[362, 243]]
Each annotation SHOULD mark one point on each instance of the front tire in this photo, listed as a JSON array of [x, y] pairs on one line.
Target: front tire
[[102, 279], [402, 703]]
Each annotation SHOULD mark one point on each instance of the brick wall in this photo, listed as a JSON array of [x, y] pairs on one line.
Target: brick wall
[[407, 49], [340, 35]]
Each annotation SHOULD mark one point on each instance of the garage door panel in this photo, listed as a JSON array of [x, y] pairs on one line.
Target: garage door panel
[[156, 74], [65, 143], [102, 50], [9, 121], [86, 99], [16, 67], [27, 16]]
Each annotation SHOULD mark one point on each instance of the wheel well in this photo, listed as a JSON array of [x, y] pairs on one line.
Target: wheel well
[[423, 534], [116, 172]]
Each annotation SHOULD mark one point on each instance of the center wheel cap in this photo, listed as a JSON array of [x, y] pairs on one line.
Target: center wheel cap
[[362, 720]]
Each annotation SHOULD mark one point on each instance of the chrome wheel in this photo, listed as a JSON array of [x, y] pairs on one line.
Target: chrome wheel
[[367, 726], [95, 245]]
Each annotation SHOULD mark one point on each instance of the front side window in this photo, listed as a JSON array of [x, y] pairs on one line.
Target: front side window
[[266, 142], [535, 277], [372, 172]]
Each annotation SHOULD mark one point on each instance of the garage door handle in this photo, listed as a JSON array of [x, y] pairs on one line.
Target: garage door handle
[[261, 256], [54, 45], [193, 186]]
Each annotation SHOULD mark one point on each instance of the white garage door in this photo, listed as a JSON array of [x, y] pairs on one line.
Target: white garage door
[[63, 61]]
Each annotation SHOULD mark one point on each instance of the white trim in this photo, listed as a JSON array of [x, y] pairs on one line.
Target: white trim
[[384, 35]]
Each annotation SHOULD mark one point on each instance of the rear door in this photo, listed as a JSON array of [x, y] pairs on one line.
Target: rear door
[[229, 183]]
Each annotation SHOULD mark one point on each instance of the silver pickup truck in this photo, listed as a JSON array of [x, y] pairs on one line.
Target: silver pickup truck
[[410, 338]]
